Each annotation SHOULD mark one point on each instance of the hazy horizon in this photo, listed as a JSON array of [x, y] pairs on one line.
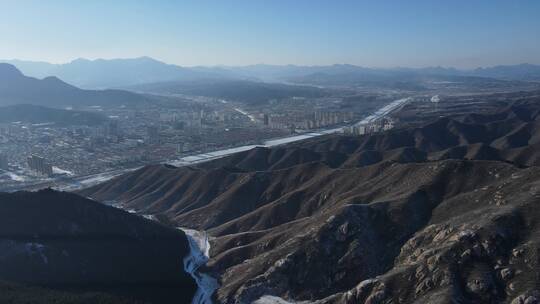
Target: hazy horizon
[[37, 61], [461, 34]]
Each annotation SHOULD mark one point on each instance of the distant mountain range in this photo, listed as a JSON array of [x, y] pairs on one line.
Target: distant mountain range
[[351, 74], [16, 88], [117, 73]]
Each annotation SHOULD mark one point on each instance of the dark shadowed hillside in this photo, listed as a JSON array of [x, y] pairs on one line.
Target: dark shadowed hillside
[[439, 211], [38, 114], [67, 249], [237, 90]]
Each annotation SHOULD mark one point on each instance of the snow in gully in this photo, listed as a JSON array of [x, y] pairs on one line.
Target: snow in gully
[[199, 254]]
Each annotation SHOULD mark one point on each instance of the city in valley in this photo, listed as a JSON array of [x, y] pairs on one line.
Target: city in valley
[[43, 148], [73, 143]]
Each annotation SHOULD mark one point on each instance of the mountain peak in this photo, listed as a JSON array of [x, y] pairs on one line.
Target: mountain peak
[[10, 70], [55, 80], [16, 88], [80, 60], [147, 58]]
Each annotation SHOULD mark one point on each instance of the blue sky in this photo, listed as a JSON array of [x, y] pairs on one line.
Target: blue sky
[[383, 33]]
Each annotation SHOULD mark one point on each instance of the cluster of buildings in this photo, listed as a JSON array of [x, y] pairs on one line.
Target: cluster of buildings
[[189, 119], [130, 137], [39, 165], [370, 128], [152, 134], [197, 118], [307, 121]]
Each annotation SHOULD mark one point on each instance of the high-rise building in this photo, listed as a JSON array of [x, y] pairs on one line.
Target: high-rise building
[[113, 129], [40, 165], [152, 133], [3, 162], [180, 147]]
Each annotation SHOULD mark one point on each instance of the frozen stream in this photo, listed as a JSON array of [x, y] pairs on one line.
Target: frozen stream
[[199, 254]]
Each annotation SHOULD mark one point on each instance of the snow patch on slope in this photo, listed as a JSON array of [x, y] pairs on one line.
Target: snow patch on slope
[[10, 249]]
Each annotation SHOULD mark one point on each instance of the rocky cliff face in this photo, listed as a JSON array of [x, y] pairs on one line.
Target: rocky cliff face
[[71, 248], [443, 211]]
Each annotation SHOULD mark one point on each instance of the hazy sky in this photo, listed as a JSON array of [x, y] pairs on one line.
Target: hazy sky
[[382, 33]]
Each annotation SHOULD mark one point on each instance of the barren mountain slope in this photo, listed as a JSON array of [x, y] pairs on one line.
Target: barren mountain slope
[[442, 211]]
